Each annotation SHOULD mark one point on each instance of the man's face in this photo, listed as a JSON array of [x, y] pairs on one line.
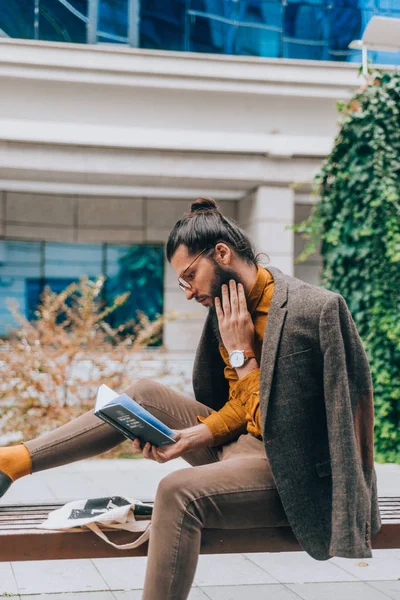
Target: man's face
[[206, 276]]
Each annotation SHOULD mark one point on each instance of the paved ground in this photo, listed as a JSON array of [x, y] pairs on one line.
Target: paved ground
[[261, 576]]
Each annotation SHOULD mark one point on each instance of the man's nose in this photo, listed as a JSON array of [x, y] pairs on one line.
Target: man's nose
[[189, 293]]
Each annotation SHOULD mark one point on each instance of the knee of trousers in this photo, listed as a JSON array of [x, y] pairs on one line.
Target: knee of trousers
[[178, 492], [141, 389]]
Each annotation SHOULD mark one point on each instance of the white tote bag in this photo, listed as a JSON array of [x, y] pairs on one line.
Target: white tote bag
[[116, 512]]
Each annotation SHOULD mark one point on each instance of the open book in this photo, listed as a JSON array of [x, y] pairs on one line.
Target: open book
[[130, 418]]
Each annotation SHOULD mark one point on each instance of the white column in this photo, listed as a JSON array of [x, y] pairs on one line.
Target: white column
[[264, 214]]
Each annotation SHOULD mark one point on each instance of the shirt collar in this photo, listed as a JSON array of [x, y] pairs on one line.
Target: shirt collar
[[256, 293]]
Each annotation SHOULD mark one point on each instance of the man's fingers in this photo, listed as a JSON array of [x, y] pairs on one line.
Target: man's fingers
[[136, 445], [154, 452], [148, 451], [162, 456], [145, 450], [242, 299], [226, 304], [233, 298], [218, 309]]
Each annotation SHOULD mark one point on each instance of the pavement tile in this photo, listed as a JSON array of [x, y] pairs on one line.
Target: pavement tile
[[356, 590], [388, 479], [138, 478], [127, 595], [8, 584], [390, 588], [74, 486], [298, 567], [385, 564], [122, 573], [255, 592], [28, 489], [52, 576], [71, 596], [134, 485], [232, 569], [195, 594]]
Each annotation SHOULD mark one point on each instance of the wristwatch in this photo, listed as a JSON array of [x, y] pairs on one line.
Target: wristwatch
[[237, 358]]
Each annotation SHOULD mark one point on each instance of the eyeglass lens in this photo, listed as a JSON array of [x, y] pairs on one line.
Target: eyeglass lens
[[184, 284]]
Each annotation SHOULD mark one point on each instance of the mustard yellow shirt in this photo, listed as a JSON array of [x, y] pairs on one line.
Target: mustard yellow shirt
[[241, 412]]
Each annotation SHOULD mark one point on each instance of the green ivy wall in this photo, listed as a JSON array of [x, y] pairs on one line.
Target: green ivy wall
[[357, 221]]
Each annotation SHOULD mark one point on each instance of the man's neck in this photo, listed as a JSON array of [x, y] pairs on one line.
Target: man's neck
[[248, 276]]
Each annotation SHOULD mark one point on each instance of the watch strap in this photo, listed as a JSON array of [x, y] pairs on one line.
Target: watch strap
[[249, 354]]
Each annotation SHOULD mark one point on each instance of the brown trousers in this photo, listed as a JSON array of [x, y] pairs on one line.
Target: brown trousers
[[230, 487]]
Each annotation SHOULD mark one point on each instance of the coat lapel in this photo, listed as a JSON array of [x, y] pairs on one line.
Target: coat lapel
[[272, 336]]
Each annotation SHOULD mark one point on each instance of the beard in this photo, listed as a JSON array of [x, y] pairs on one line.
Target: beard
[[221, 275]]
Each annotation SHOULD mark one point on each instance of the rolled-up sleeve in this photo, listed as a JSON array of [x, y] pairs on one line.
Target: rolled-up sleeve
[[227, 423], [232, 419], [247, 385]]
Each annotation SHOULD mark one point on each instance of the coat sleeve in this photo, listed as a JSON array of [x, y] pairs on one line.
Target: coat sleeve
[[348, 396]]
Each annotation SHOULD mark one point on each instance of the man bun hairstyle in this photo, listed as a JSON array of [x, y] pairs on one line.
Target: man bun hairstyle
[[204, 203], [203, 227]]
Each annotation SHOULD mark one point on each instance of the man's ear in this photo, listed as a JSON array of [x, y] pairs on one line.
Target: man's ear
[[223, 254]]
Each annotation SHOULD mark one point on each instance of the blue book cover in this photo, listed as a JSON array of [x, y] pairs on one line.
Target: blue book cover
[[130, 418]]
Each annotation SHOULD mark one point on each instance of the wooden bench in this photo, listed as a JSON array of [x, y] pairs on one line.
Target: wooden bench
[[20, 540]]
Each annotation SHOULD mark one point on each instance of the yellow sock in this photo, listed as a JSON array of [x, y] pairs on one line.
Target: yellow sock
[[15, 461]]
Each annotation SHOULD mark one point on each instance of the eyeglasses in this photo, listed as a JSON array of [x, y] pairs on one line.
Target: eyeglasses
[[183, 284]]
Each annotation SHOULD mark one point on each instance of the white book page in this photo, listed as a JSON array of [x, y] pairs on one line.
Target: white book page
[[103, 396]]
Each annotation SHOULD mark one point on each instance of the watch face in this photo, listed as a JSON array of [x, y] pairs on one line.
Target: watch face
[[237, 358]]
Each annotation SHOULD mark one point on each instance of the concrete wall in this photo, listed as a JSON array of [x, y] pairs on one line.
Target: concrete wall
[[65, 218], [52, 218]]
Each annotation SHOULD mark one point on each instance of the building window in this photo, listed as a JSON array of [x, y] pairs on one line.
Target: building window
[[27, 267]]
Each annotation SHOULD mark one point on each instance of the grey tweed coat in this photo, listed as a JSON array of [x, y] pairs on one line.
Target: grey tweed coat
[[317, 416]]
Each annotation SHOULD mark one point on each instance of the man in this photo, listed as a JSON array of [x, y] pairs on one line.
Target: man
[[282, 426]]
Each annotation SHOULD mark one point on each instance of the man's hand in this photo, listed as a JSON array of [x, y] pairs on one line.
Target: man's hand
[[234, 320], [188, 439]]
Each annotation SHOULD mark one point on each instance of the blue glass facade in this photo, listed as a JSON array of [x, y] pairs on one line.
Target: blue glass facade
[[305, 29], [27, 267]]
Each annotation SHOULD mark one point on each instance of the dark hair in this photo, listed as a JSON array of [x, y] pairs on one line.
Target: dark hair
[[204, 226]]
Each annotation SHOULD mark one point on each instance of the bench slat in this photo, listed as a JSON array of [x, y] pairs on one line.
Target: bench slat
[[20, 539]]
